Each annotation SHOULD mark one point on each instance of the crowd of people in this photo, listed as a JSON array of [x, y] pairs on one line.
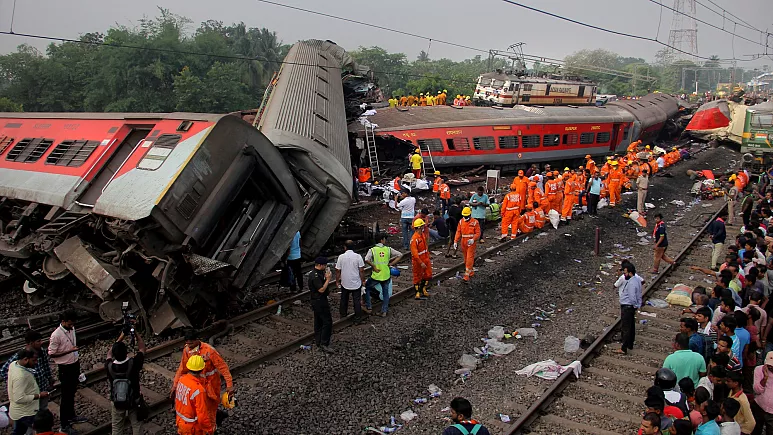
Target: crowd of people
[[427, 99], [195, 388]]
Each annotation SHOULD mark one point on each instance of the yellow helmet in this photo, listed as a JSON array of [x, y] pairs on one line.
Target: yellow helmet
[[467, 211], [613, 163], [420, 222], [609, 158], [195, 363], [437, 172], [227, 401], [417, 150], [647, 147], [458, 96], [444, 91], [566, 169], [732, 178], [467, 98]]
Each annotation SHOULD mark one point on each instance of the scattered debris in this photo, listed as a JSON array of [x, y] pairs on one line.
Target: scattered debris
[[571, 344], [649, 205], [678, 203], [644, 313], [434, 390], [549, 369], [408, 415], [657, 303], [504, 417]]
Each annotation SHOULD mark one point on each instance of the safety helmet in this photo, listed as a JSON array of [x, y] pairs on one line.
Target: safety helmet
[[535, 178], [421, 93], [647, 147], [665, 379], [458, 96], [630, 162], [566, 169], [467, 211], [674, 148], [609, 158], [587, 156], [520, 173], [439, 92], [394, 271], [195, 363], [418, 223], [732, 177], [444, 91], [613, 163], [227, 400], [466, 98], [555, 173], [417, 150], [532, 184]]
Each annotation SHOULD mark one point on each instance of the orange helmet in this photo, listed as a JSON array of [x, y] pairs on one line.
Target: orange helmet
[[520, 173], [532, 184], [555, 173], [535, 178], [587, 156]]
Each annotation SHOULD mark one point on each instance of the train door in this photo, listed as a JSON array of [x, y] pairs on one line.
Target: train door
[[117, 160], [617, 136], [581, 91]]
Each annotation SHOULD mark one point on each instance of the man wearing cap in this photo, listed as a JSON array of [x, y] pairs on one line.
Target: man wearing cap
[[319, 288], [763, 396], [214, 366], [416, 162], [381, 259], [510, 213], [590, 164], [615, 183], [642, 184], [468, 233], [190, 400], [421, 264]]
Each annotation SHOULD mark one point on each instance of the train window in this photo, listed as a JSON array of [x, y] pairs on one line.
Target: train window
[[508, 142], [587, 138], [71, 153], [570, 139], [531, 141], [758, 120], [483, 143], [551, 140], [29, 150], [5, 142], [159, 151], [433, 145], [525, 98], [603, 137], [458, 144], [527, 88], [512, 87]]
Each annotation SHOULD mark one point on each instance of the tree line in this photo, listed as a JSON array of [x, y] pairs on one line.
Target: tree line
[[218, 68]]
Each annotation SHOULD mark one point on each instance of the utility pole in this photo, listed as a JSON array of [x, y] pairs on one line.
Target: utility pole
[[684, 29]]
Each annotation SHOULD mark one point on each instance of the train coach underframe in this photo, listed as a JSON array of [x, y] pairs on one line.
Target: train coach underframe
[[174, 271]]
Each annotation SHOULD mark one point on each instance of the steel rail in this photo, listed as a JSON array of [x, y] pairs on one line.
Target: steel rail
[[553, 393]]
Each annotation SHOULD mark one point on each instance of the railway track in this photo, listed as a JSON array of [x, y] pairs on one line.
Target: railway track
[[608, 397], [252, 339]]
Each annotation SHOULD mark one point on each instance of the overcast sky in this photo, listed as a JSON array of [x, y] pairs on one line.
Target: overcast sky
[[478, 23]]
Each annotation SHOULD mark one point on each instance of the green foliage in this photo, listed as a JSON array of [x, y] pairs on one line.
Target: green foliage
[[168, 76], [6, 105]]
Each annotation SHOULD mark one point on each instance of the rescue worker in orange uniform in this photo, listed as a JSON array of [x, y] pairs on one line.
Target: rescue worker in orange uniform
[[580, 182], [631, 173], [420, 261], [468, 233], [743, 178], [511, 206], [528, 220], [570, 196], [535, 195], [520, 184], [190, 400], [590, 164], [422, 99], [551, 191], [411, 100], [444, 192], [615, 179], [634, 146], [540, 214], [214, 367], [438, 181], [606, 167], [403, 101]]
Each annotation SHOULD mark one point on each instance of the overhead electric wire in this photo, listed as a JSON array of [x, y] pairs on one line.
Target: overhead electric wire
[[615, 32], [657, 2], [742, 22]]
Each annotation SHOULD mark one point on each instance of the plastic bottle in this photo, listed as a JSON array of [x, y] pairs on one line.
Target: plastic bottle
[[279, 310], [419, 400], [388, 429], [305, 347]]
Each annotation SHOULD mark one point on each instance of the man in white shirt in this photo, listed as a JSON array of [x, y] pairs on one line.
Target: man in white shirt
[[350, 277], [407, 207], [63, 349], [661, 161]]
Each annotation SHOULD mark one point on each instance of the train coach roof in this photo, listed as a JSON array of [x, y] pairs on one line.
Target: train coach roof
[[393, 119], [109, 115]]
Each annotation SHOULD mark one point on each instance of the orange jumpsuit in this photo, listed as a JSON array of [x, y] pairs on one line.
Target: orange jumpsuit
[[411, 100], [466, 231], [521, 185], [214, 367], [510, 211], [425, 232], [419, 256], [570, 197], [436, 184], [560, 194], [541, 218], [540, 198], [528, 222], [633, 146], [743, 177], [605, 168], [551, 191], [191, 408], [591, 166], [422, 101], [580, 182], [615, 185], [396, 184], [403, 101]]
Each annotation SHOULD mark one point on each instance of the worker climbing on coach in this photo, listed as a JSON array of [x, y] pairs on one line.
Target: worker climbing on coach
[[190, 400], [511, 206], [615, 179], [214, 368], [468, 234], [420, 260]]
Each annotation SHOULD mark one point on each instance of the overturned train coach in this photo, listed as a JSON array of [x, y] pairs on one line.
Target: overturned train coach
[[173, 213], [472, 136]]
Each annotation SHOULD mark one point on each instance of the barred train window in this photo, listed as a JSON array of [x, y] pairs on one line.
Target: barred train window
[[29, 150], [483, 143], [434, 145], [531, 141], [603, 137], [551, 140], [508, 142], [587, 138], [71, 153]]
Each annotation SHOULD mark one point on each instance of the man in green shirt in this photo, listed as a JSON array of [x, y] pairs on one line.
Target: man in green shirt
[[684, 362], [381, 258]]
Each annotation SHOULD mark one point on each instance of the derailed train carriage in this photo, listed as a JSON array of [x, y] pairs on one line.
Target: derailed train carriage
[[172, 212]]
